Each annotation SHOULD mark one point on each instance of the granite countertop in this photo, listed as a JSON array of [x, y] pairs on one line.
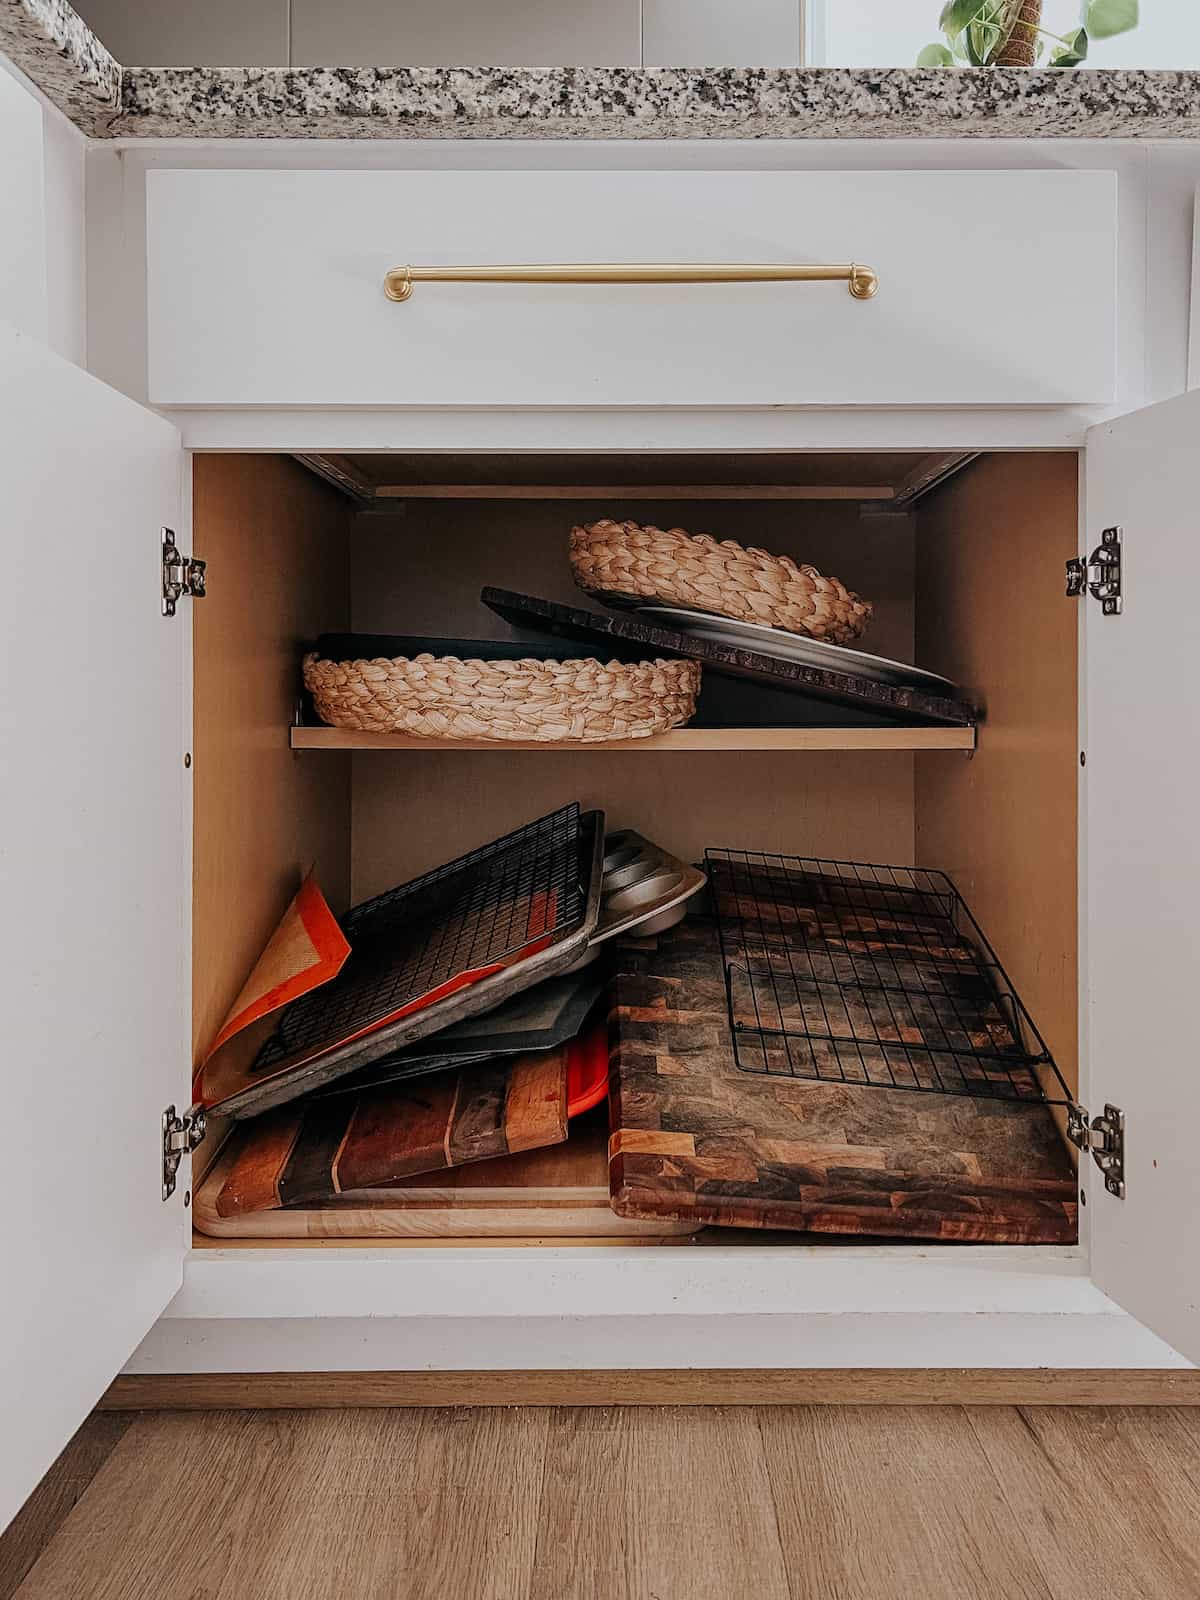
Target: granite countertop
[[51, 43]]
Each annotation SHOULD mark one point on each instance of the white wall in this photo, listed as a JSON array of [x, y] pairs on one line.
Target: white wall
[[64, 151], [889, 33], [23, 219], [42, 256], [578, 32], [440, 32]]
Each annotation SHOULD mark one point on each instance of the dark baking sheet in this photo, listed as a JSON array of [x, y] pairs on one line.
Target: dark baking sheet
[[389, 646], [541, 1018], [904, 705]]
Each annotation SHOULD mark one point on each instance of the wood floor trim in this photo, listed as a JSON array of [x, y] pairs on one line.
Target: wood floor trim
[[787, 1387]]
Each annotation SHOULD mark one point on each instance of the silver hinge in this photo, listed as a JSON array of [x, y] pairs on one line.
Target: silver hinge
[[1105, 1138], [181, 575], [1100, 574], [180, 1136]]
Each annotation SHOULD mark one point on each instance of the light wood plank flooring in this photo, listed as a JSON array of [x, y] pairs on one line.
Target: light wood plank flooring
[[774, 1503]]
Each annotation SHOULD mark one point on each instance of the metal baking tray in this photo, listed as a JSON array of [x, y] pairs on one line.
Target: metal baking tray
[[644, 890], [448, 922], [542, 1018]]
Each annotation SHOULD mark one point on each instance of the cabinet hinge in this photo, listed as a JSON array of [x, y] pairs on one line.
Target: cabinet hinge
[[181, 575], [1100, 574], [1105, 1138], [180, 1136]]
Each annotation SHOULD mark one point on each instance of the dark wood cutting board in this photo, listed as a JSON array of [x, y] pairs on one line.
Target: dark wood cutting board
[[627, 628], [693, 1138], [310, 1150]]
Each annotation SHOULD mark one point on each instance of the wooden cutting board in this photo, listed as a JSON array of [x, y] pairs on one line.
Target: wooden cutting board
[[695, 1138], [312, 1150], [560, 1191]]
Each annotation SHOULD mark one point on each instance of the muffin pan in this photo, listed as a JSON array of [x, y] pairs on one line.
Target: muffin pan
[[644, 888]]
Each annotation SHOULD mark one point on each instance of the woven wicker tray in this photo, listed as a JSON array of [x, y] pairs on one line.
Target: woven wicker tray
[[623, 561], [504, 693]]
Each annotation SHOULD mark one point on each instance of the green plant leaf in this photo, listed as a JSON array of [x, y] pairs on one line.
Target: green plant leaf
[[956, 14], [1074, 50], [974, 55], [936, 55], [1105, 18]]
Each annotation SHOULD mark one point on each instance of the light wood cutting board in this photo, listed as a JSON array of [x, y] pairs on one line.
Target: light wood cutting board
[[557, 1192]]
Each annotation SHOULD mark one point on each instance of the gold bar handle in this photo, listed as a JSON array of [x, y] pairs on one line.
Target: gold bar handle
[[861, 281]]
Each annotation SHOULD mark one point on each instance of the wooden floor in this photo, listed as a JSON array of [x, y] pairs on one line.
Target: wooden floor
[[779, 1503]]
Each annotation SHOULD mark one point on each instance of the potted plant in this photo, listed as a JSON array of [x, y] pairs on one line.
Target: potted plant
[[1009, 33]]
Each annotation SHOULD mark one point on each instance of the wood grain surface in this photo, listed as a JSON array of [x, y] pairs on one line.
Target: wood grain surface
[[644, 1503], [1004, 824], [506, 1503], [278, 538], [759, 1386], [893, 1502], [1130, 1478], [316, 1149], [556, 1191], [48, 1507], [693, 1137], [678, 742]]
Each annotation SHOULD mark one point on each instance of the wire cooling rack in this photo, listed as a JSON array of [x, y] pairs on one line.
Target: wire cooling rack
[[471, 914], [855, 973]]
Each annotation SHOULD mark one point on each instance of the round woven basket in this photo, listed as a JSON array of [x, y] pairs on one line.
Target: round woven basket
[[442, 697], [622, 560]]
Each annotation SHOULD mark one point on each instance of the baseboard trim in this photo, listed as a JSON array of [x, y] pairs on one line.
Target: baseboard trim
[[874, 1386]]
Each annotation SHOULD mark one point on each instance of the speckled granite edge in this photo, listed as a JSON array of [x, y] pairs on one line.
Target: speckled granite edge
[[51, 43], [54, 47], [659, 103]]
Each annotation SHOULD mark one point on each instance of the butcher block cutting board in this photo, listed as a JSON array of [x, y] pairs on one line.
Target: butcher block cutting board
[[694, 1138], [311, 1150], [560, 1191]]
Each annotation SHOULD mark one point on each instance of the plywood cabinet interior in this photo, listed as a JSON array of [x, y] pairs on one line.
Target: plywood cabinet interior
[[279, 539], [990, 559], [968, 580]]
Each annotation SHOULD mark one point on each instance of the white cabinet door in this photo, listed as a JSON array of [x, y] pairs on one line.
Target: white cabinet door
[[266, 289], [1142, 887], [94, 871]]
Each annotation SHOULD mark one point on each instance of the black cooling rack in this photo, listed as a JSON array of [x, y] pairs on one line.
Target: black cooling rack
[[850, 972], [475, 912]]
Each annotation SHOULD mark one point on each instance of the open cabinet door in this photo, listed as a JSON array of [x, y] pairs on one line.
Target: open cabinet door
[[1142, 886], [93, 882]]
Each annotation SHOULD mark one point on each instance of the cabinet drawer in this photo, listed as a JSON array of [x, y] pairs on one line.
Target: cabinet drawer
[[995, 288]]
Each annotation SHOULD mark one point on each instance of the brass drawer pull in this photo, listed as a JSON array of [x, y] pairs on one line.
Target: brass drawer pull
[[861, 281]]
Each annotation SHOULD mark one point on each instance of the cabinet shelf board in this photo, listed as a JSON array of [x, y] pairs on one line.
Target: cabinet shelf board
[[688, 739], [633, 491]]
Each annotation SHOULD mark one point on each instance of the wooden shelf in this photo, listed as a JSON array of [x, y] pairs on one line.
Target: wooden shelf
[[378, 481], [777, 739]]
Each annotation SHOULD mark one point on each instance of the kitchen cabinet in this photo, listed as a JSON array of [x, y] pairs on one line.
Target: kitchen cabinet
[[162, 810], [265, 289], [96, 823]]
